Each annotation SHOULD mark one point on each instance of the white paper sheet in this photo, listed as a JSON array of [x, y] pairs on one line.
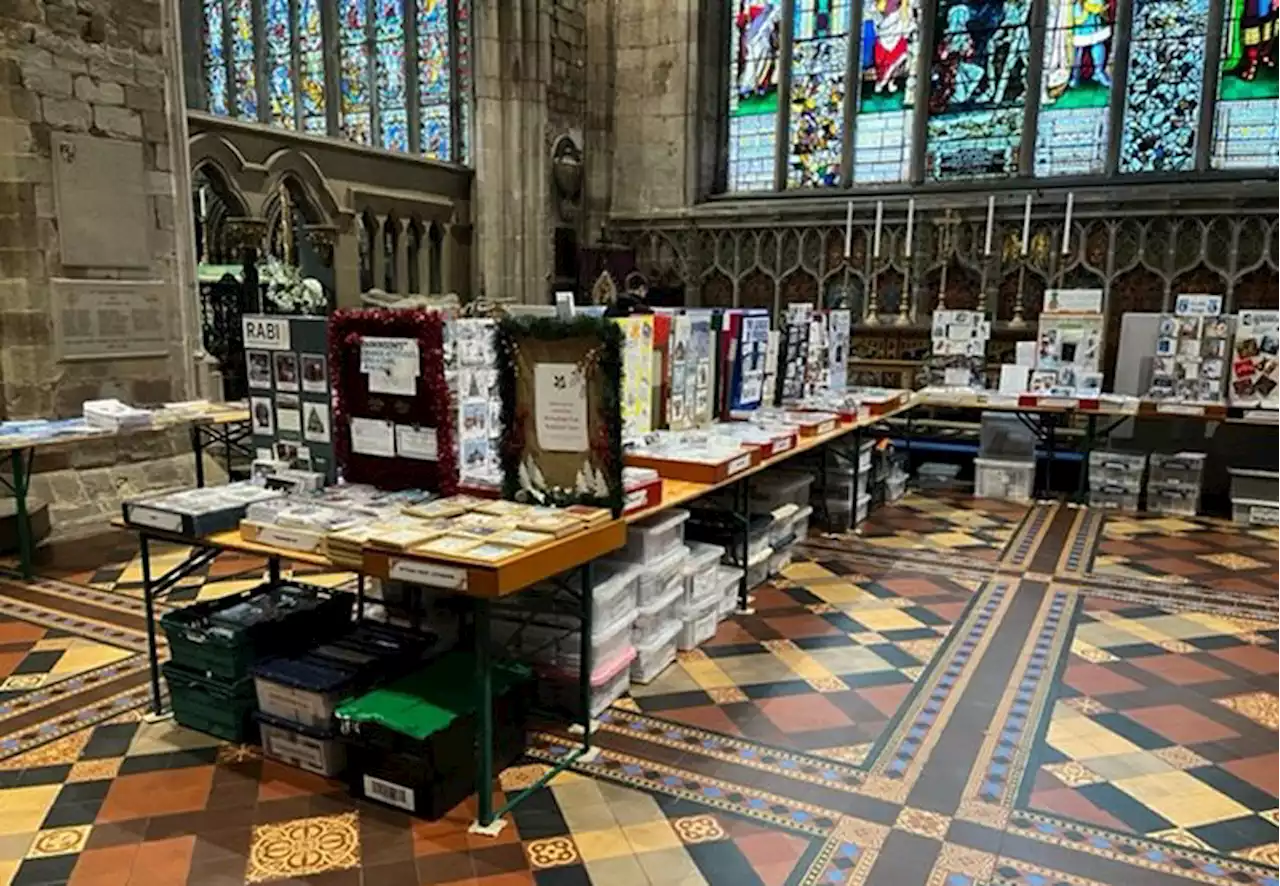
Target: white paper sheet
[[373, 436], [1013, 377], [417, 443], [561, 414], [392, 364]]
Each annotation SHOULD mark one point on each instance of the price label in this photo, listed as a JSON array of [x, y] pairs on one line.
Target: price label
[[1179, 409], [827, 427], [781, 445], [431, 574], [283, 538], [741, 463]]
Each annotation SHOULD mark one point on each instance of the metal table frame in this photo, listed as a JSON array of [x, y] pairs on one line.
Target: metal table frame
[[18, 481]]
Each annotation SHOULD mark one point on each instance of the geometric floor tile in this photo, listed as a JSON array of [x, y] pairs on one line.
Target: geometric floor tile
[[303, 847]]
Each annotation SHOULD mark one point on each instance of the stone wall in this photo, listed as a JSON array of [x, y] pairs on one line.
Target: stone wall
[[94, 67]]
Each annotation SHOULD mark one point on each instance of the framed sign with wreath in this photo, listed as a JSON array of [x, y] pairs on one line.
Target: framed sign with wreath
[[393, 418], [561, 411]]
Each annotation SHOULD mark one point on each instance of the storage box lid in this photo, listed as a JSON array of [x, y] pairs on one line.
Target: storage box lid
[[430, 699], [300, 728], [660, 637], [660, 522], [309, 673], [600, 675], [701, 556], [1255, 473]]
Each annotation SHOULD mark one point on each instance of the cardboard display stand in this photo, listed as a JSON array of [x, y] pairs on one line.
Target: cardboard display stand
[[1255, 364], [393, 422], [793, 361], [1069, 344], [561, 408], [471, 364], [290, 391], [1190, 363], [748, 353]]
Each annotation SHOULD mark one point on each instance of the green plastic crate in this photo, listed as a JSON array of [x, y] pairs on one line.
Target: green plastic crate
[[223, 710], [224, 637]]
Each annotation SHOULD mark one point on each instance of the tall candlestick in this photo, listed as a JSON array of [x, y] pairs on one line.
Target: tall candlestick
[[1066, 226], [911, 224], [848, 230], [875, 249], [991, 221], [1026, 225]]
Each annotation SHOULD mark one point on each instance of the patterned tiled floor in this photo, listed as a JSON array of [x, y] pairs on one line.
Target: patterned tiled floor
[[964, 694]]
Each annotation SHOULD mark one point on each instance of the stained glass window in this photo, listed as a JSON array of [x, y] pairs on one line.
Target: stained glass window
[[1245, 132], [357, 105], [242, 59], [279, 46], [753, 93], [434, 79], [215, 61], [462, 16], [1071, 135], [977, 89], [819, 57], [393, 118], [311, 66], [886, 90], [1166, 74]]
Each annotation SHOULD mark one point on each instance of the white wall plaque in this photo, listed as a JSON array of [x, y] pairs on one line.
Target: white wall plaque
[[110, 319], [101, 201]]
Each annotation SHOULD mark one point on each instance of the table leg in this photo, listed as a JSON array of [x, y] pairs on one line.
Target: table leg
[[359, 596], [857, 468], [20, 462], [1090, 433], [148, 597], [907, 444], [273, 570], [742, 516], [197, 448], [1051, 446], [484, 715], [588, 657]]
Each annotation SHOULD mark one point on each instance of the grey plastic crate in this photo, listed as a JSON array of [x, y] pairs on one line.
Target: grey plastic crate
[[1254, 484]]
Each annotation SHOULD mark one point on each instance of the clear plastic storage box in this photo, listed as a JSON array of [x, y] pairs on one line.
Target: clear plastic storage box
[[1009, 480], [1176, 501], [699, 569], [657, 653], [728, 579], [1005, 438], [651, 538], [1121, 470], [783, 526], [1251, 484], [800, 523], [1179, 469], [937, 475], [613, 588], [699, 625], [1253, 512], [610, 680], [654, 577], [779, 561], [840, 517], [895, 487], [654, 614], [1113, 497], [777, 488]]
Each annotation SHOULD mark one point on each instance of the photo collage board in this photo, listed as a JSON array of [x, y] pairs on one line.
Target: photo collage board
[[471, 358], [959, 349], [637, 374], [795, 351], [1069, 344], [1255, 364], [750, 363], [690, 403], [290, 391], [1192, 345]]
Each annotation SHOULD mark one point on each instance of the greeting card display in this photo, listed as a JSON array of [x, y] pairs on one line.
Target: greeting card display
[[1069, 344], [289, 391], [1191, 351], [561, 384], [839, 326], [795, 351], [750, 351], [1255, 365], [817, 363], [959, 347], [637, 374], [471, 352], [393, 421], [690, 403]]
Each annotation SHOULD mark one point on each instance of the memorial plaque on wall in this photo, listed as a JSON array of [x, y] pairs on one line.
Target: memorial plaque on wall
[[286, 359], [101, 199], [110, 319]]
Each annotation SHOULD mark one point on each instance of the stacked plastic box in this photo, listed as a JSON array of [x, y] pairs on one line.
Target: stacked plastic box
[[699, 608], [1006, 464], [1174, 484], [846, 498], [1254, 494], [657, 552], [1115, 479]]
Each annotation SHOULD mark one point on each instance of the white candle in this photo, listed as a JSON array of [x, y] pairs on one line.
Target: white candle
[[1066, 227], [848, 230], [1026, 225], [991, 221], [911, 223], [875, 249]]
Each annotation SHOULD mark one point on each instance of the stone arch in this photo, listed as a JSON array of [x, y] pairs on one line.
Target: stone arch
[[315, 197]]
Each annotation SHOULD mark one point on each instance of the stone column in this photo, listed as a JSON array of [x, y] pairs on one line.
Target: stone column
[[402, 256], [447, 250], [346, 266], [512, 186], [377, 252], [423, 258]]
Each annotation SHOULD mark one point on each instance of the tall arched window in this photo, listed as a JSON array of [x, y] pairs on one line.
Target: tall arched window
[[403, 69], [1245, 132], [1072, 134]]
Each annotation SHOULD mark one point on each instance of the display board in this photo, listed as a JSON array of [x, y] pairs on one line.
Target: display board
[[793, 360], [958, 349], [1069, 344], [839, 333], [690, 403], [471, 354], [750, 332], [393, 422], [817, 361], [1255, 366], [1191, 351], [637, 374], [290, 419], [561, 384]]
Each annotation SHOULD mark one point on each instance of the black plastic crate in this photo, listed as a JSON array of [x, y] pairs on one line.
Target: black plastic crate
[[221, 709], [224, 637]]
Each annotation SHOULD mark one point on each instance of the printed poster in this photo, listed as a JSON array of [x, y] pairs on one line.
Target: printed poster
[[637, 375], [839, 333], [1255, 365]]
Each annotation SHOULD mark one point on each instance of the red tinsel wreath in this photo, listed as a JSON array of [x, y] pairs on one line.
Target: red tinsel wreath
[[430, 407]]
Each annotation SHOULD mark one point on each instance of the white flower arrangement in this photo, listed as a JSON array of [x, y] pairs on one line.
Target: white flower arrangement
[[289, 292]]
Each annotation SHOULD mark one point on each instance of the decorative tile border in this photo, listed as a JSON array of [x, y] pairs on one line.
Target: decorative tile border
[[795, 765], [81, 718], [1026, 540], [848, 855], [897, 762], [90, 629], [33, 700], [648, 775], [1082, 542]]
